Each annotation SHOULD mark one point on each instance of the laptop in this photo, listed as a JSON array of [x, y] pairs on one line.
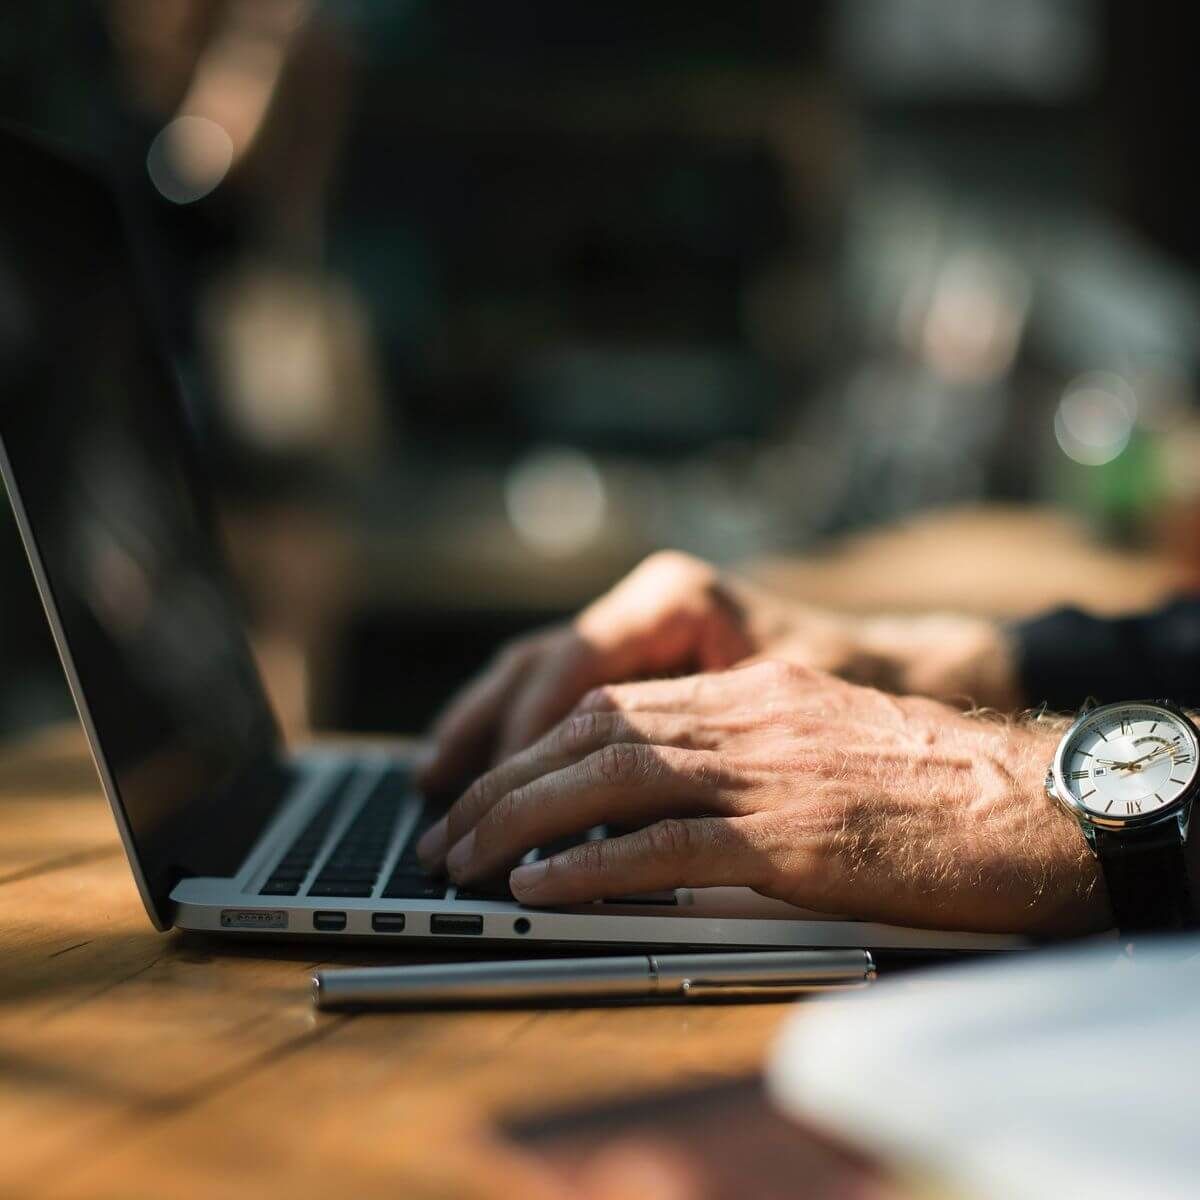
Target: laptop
[[227, 829]]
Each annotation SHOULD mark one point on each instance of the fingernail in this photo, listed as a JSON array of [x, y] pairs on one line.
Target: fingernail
[[529, 877], [432, 846], [460, 854]]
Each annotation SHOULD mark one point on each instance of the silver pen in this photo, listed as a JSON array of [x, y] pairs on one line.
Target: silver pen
[[641, 976]]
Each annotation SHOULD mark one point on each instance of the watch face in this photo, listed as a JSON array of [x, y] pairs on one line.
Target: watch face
[[1127, 761]]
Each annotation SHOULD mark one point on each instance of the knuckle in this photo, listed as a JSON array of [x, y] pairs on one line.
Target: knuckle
[[711, 771], [670, 560], [597, 700], [478, 793], [618, 762], [581, 730], [467, 803], [777, 671], [768, 670], [458, 821], [591, 857], [673, 838], [506, 807], [465, 811], [677, 568]]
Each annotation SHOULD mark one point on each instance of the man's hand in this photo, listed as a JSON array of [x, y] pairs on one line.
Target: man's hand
[[806, 788], [675, 614]]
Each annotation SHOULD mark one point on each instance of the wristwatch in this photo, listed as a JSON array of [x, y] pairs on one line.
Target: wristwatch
[[1128, 773]]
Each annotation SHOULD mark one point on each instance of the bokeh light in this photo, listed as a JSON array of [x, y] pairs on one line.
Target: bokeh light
[[556, 501], [1095, 418]]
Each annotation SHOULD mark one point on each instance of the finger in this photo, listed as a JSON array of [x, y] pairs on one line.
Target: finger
[[713, 692], [569, 742], [667, 615], [698, 852], [691, 694], [658, 616], [625, 782], [470, 720], [552, 688]]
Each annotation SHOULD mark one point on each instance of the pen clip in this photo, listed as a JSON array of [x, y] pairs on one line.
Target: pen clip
[[736, 987]]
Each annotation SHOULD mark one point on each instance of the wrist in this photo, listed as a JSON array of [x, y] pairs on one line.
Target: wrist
[[1072, 897]]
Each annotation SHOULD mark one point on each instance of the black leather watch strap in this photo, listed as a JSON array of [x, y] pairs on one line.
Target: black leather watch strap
[[1147, 878]]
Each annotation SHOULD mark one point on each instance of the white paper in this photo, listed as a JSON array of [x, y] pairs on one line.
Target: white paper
[[1067, 1073]]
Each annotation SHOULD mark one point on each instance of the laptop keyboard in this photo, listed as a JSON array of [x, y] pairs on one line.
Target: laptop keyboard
[[292, 869], [409, 880], [354, 865]]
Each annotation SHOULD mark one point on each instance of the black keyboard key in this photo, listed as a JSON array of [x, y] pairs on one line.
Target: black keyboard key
[[357, 859], [397, 781], [410, 850], [550, 849], [337, 888], [341, 870], [414, 887], [494, 889], [293, 867], [558, 845]]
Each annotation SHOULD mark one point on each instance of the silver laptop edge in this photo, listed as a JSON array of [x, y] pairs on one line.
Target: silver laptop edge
[[58, 633]]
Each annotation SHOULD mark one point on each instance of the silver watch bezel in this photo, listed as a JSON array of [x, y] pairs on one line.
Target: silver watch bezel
[[1178, 810]]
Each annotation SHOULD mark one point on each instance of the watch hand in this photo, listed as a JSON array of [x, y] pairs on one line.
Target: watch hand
[[1164, 753], [1136, 763], [1146, 758]]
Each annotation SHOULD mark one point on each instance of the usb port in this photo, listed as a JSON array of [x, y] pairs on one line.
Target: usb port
[[329, 920], [444, 923], [387, 922]]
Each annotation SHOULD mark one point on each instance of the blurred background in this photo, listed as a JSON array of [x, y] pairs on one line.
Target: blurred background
[[473, 305]]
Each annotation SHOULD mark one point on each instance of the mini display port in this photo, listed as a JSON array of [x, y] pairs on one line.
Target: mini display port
[[329, 920], [387, 922]]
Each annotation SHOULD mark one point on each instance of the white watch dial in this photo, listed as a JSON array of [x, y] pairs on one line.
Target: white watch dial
[[1128, 761]]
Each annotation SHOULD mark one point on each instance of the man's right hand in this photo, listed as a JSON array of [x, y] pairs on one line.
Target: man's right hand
[[810, 790], [675, 615]]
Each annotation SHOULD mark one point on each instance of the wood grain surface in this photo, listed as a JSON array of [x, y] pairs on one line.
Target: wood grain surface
[[136, 1064]]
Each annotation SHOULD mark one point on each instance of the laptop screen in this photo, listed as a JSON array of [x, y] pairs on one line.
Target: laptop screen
[[100, 459]]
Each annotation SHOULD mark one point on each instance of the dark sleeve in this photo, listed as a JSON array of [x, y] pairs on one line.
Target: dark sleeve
[[1066, 656]]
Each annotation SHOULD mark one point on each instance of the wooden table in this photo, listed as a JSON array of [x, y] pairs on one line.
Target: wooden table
[[136, 1064]]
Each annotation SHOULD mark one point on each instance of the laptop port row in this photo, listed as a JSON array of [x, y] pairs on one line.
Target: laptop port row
[[439, 923]]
